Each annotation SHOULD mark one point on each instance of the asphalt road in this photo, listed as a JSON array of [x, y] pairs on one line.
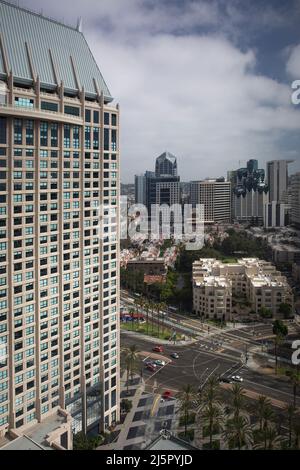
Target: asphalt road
[[197, 361]]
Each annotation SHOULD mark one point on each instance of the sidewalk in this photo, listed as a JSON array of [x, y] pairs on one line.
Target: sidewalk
[[151, 339]]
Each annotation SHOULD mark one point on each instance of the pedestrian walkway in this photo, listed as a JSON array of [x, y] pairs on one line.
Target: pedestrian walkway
[[151, 339]]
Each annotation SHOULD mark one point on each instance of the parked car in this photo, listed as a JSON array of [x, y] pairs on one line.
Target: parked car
[[158, 349], [167, 394], [237, 378], [150, 363], [174, 355], [226, 380], [151, 367], [158, 362]]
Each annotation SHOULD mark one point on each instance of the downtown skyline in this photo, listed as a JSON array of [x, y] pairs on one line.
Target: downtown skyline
[[208, 81]]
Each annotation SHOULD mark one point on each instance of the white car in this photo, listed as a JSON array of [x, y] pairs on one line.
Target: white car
[[158, 362], [237, 378]]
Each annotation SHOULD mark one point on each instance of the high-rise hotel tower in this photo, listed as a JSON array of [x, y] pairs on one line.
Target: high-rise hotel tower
[[59, 230]]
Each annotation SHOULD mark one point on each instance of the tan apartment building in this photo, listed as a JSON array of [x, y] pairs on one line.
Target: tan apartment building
[[59, 273], [258, 281]]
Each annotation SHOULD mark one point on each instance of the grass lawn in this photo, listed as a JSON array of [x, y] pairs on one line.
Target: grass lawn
[[228, 260], [152, 330]]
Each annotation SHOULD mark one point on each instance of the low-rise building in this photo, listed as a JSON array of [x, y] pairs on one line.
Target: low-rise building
[[258, 281]]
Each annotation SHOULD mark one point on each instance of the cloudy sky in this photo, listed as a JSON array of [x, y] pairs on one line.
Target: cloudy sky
[[208, 80]]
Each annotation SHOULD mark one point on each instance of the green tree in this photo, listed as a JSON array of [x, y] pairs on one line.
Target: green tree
[[279, 328], [285, 310], [290, 411], [260, 407], [130, 357], [295, 381], [238, 432], [238, 399], [186, 399], [213, 418]]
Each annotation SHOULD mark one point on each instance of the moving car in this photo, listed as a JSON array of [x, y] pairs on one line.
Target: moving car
[[237, 378], [175, 355], [158, 349]]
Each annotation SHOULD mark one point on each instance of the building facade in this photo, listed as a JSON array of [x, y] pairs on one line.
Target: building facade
[[276, 214], [277, 180], [250, 193], [215, 283], [140, 189], [295, 199], [59, 274], [215, 195]]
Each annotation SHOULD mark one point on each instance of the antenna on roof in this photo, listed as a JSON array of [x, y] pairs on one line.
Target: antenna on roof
[[79, 25]]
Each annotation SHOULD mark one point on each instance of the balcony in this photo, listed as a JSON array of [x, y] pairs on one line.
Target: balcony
[[34, 113]]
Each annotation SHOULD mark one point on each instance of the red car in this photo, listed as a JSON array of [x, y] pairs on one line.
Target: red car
[[158, 349], [151, 367], [167, 394]]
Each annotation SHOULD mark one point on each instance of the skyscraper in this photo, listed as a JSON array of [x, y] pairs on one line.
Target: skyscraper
[[140, 189], [163, 187], [59, 158], [166, 165], [250, 193], [295, 200], [215, 195], [277, 180]]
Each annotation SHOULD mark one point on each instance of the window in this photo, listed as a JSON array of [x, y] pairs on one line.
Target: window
[[2, 130], [87, 137], [29, 132], [113, 119], [72, 110], [44, 134], [18, 131], [76, 141], [49, 106], [23, 102], [54, 135], [67, 136], [106, 119], [88, 115], [106, 139], [96, 117]]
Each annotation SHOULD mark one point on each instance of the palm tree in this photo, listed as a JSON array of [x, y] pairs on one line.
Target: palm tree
[[131, 357], [260, 407], [273, 440], [295, 381], [238, 432], [277, 342], [157, 308], [268, 416], [290, 410], [186, 398], [211, 391], [296, 433], [147, 307], [238, 397], [163, 308], [213, 417], [131, 313]]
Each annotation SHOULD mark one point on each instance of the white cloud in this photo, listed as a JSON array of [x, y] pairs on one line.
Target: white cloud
[[197, 96]]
